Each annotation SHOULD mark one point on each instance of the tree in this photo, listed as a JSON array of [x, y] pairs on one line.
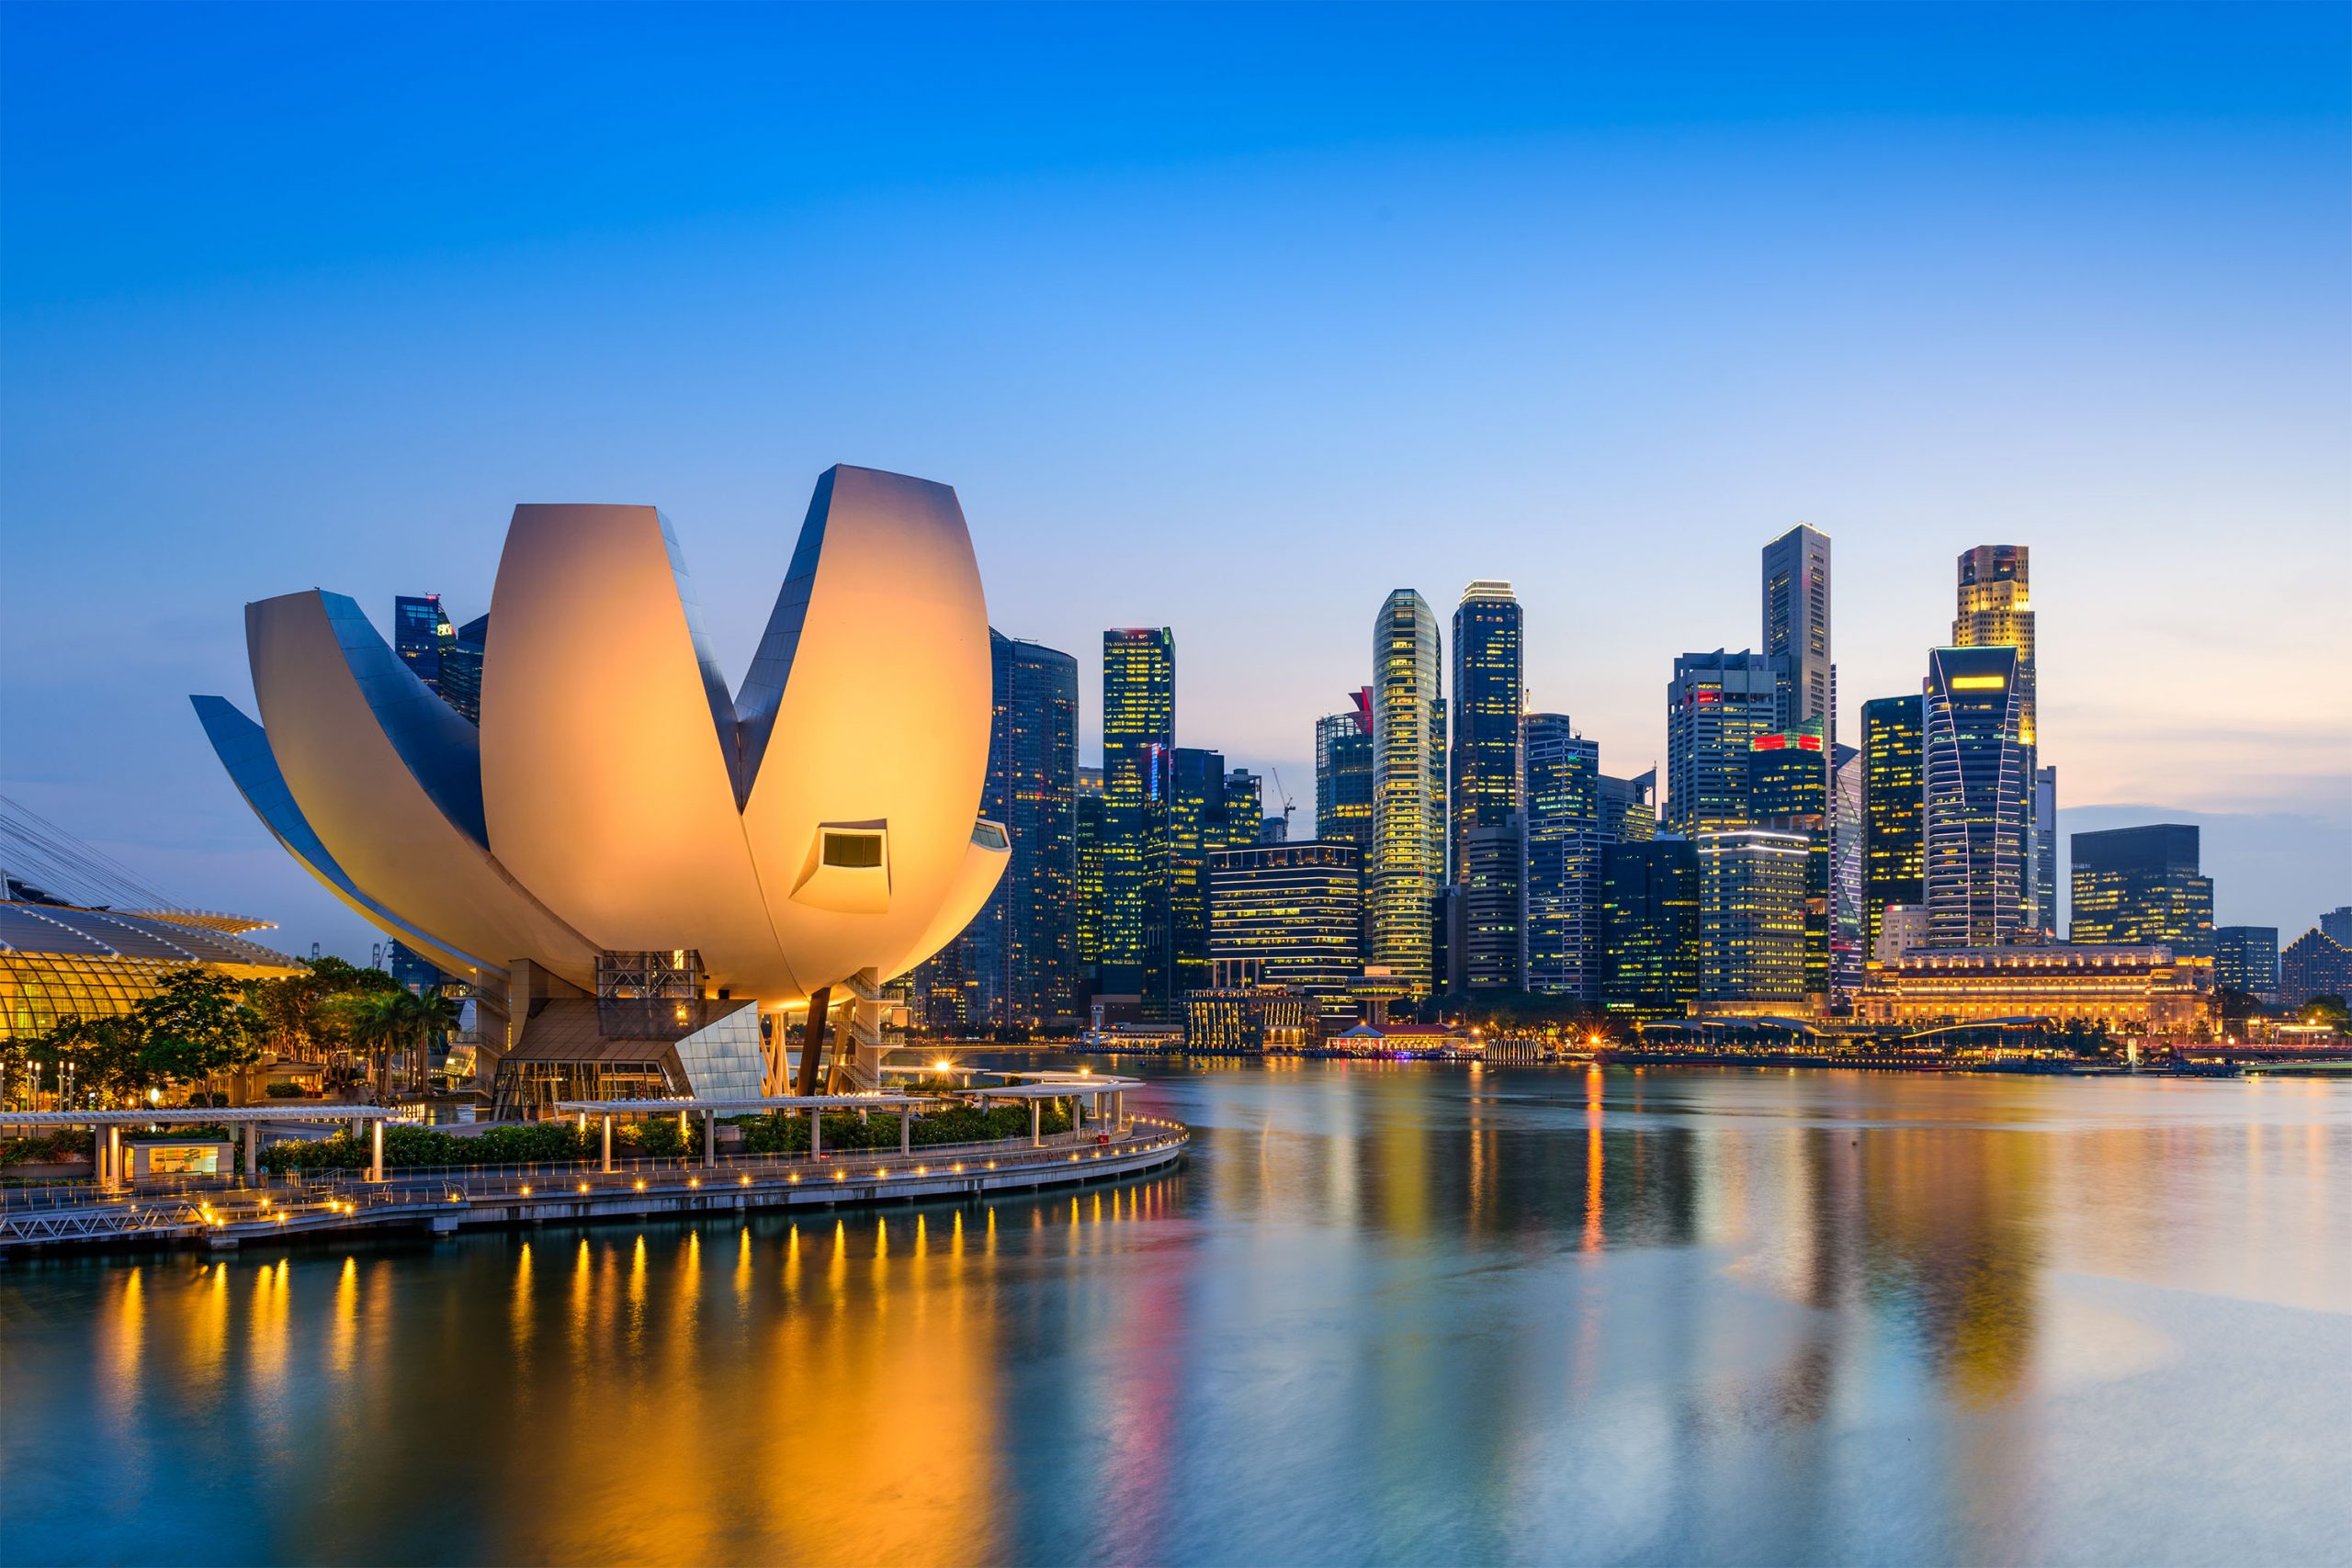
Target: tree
[[397, 1029], [196, 1026]]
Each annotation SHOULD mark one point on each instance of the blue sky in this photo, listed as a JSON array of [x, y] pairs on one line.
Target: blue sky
[[1231, 319]]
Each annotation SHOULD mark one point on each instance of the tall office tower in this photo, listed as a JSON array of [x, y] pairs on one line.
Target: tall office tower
[[1493, 884], [1796, 629], [418, 631], [1343, 780], [2140, 885], [1408, 863], [2245, 958], [1490, 702], [1894, 807], [1715, 705], [1245, 809], [1018, 959], [1564, 843], [1288, 915], [1138, 761], [2336, 925], [1789, 791], [1629, 808], [1088, 890], [1847, 953], [1648, 894], [460, 672], [2314, 964], [2045, 849], [1995, 609], [1197, 828], [1976, 771], [1752, 900]]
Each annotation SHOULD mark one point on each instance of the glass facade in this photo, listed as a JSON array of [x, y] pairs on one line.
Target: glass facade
[[1138, 764], [1487, 849], [1788, 790], [1895, 805], [1754, 893], [1715, 705], [1288, 915], [420, 631], [1088, 827], [1408, 863], [1343, 780], [1796, 628], [1995, 609], [1199, 825], [2140, 885], [2245, 958], [58, 961], [460, 668], [1649, 928], [1977, 771], [1564, 842]]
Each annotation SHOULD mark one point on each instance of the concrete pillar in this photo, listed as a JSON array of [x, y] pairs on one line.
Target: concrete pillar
[[709, 1139], [608, 1142], [115, 1175], [376, 1165], [1037, 1122], [906, 1130], [253, 1152], [816, 1134]]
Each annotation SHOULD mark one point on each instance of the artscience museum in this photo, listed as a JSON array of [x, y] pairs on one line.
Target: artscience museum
[[652, 886]]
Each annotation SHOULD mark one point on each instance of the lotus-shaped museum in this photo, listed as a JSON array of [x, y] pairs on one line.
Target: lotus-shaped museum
[[817, 829]]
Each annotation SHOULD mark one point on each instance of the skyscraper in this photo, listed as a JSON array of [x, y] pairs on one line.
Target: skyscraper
[[1018, 959], [2134, 885], [1649, 928], [1564, 843], [418, 631], [1895, 806], [2336, 925], [1287, 915], [1715, 705], [1847, 953], [1488, 852], [2045, 849], [1246, 822], [1976, 768], [1995, 610], [1343, 776], [1788, 790], [1138, 761], [1796, 629], [2245, 958], [1198, 826], [1088, 892], [1629, 808], [460, 668], [1409, 791], [1752, 902]]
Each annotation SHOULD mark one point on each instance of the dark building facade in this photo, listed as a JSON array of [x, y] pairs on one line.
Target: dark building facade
[[1715, 705], [1564, 842], [1139, 778], [2245, 958], [1486, 853], [1649, 895], [2140, 885], [2314, 964], [420, 630], [1895, 808], [460, 683], [1343, 776], [1978, 773], [1198, 826]]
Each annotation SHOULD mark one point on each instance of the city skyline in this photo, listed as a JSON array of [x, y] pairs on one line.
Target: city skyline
[[1631, 333]]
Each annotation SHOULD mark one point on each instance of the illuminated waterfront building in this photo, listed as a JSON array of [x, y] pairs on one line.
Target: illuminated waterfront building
[[420, 631], [1788, 791], [1715, 705], [1138, 768], [2140, 885], [1894, 803], [2135, 988], [1493, 909], [2314, 964], [1753, 888], [1900, 928], [1199, 824], [1088, 885], [1408, 862], [58, 961], [1649, 895], [1343, 776], [1995, 609], [1847, 953], [1251, 1020], [1977, 771], [2245, 958], [1564, 843], [1486, 809], [1288, 915], [1796, 629]]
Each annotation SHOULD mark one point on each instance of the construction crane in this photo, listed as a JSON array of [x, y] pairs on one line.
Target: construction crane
[[1289, 804]]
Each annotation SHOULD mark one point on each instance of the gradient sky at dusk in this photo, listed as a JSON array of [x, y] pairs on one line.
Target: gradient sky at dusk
[[1231, 319]]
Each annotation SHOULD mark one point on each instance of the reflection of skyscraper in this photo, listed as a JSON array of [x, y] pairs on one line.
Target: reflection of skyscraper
[[1343, 776], [1649, 928], [1994, 610], [2140, 885], [2245, 958], [1976, 767], [1715, 705], [1796, 629], [1894, 803], [419, 632], [1138, 758], [1564, 843], [1408, 790]]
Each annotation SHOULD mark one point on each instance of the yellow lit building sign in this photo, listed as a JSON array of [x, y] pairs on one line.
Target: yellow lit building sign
[[1979, 682]]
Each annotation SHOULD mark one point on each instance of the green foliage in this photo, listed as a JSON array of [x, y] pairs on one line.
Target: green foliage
[[50, 1148], [787, 1132], [284, 1088], [188, 1132]]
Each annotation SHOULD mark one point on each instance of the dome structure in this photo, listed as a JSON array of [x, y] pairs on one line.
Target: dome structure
[[818, 822]]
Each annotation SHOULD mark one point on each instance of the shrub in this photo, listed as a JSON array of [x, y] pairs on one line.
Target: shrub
[[284, 1088]]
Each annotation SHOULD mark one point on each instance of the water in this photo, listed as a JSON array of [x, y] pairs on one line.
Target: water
[[1386, 1312]]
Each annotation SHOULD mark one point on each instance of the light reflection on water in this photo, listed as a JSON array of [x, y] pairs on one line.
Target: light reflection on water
[[1386, 1312]]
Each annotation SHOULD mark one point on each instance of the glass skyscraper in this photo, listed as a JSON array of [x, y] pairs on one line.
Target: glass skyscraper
[[1715, 705], [420, 630], [1408, 863], [1753, 894], [1847, 952], [1649, 928], [1088, 891], [1977, 770], [1564, 843], [1788, 790], [1487, 820], [2245, 958], [1344, 777], [1796, 629], [1995, 609], [2140, 885], [460, 668], [1894, 807], [1288, 915], [1138, 764], [1199, 825], [1629, 808]]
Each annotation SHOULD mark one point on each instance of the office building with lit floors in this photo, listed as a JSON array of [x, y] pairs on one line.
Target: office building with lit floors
[[2314, 964], [1564, 844], [1486, 784], [2245, 958], [1795, 580], [2135, 988], [1288, 916], [1715, 705], [1406, 867], [1788, 791], [1649, 901], [1343, 776], [2140, 885], [1894, 803], [1139, 779], [1994, 608], [1753, 887], [1977, 772], [1492, 890]]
